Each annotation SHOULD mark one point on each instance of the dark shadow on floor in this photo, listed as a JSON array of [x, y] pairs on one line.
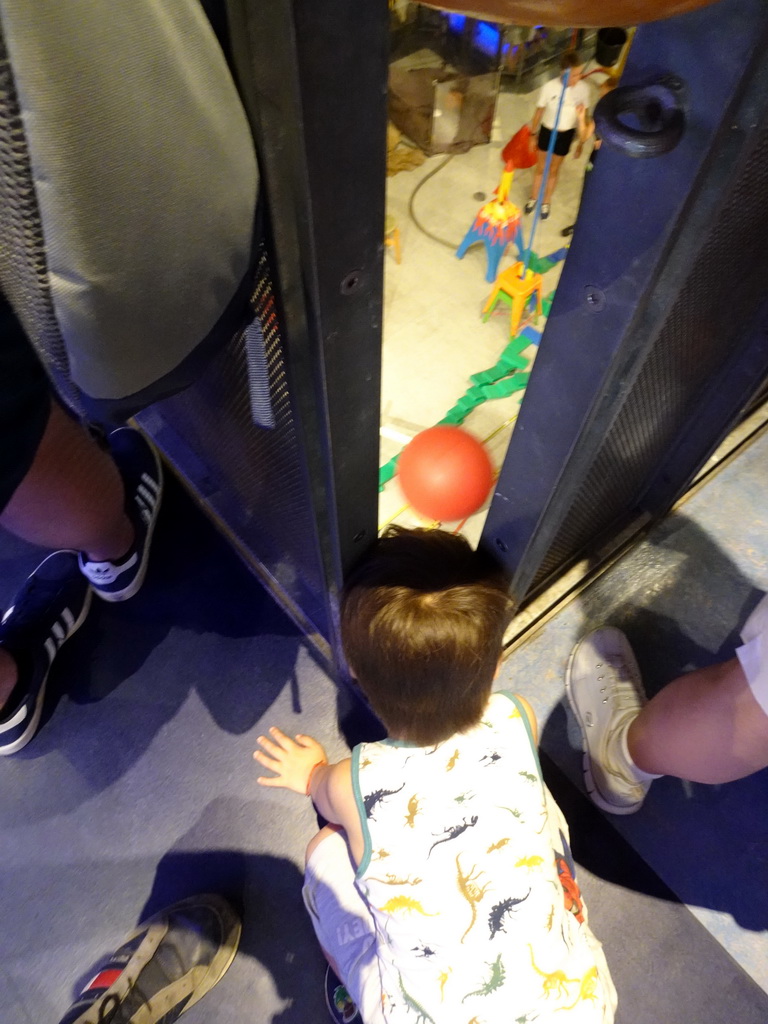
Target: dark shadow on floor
[[276, 928], [681, 601], [201, 623], [665, 964]]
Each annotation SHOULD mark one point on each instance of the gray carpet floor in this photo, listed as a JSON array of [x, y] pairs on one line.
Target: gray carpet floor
[[140, 789]]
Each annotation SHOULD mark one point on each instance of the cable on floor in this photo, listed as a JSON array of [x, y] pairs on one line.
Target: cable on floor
[[412, 214]]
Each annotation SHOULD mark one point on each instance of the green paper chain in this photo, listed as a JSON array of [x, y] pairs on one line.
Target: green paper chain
[[500, 381]]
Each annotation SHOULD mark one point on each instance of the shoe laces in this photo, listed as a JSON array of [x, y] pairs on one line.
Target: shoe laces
[[618, 685], [108, 1007], [619, 688]]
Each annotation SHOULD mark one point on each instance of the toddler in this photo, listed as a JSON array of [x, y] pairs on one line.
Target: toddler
[[442, 891]]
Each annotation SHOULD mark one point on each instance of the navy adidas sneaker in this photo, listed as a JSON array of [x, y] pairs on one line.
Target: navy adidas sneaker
[[338, 1000], [51, 605], [142, 475], [163, 967]]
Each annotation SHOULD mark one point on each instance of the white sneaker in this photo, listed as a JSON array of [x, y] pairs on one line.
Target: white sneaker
[[605, 691]]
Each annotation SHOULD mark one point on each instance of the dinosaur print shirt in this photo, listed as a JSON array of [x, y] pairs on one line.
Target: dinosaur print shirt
[[468, 877]]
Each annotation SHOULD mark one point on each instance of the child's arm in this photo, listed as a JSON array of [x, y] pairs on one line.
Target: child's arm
[[586, 128], [301, 765]]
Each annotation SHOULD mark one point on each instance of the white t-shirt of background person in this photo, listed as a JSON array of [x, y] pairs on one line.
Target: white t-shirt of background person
[[549, 97]]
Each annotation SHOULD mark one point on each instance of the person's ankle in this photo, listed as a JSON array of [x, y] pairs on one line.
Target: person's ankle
[[116, 550], [624, 748]]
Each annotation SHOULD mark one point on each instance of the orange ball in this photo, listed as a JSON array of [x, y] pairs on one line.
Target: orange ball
[[445, 473]]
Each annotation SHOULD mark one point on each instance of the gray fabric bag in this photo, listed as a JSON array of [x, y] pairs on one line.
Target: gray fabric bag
[[128, 193]]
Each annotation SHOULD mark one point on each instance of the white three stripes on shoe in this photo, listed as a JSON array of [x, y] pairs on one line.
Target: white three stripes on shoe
[[150, 483], [146, 497], [59, 633]]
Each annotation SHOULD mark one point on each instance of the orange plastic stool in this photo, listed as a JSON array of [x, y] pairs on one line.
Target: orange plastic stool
[[392, 235], [515, 291]]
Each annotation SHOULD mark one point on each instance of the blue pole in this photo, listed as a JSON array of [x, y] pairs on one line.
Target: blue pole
[[548, 160]]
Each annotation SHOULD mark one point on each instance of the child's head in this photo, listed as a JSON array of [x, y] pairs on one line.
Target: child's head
[[422, 622], [569, 59], [569, 62]]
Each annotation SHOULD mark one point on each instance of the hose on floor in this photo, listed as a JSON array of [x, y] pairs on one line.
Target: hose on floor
[[412, 213]]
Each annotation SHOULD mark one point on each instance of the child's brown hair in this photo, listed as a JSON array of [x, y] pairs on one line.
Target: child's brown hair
[[569, 59], [422, 622]]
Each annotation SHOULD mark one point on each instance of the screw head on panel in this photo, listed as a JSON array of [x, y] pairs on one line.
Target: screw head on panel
[[594, 298]]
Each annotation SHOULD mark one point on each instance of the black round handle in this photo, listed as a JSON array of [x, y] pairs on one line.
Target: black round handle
[[658, 109]]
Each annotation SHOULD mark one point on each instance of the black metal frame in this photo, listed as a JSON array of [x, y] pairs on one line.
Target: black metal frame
[[323, 157], [313, 82], [317, 106], [645, 230]]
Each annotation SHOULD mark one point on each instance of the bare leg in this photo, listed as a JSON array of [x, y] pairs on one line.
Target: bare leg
[[705, 726], [554, 170], [538, 174], [72, 496]]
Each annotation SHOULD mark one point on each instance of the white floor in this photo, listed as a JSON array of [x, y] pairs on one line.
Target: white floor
[[433, 334]]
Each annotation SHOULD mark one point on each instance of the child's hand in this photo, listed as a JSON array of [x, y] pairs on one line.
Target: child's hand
[[291, 760]]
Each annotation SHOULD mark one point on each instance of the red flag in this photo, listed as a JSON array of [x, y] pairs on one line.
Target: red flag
[[520, 150]]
